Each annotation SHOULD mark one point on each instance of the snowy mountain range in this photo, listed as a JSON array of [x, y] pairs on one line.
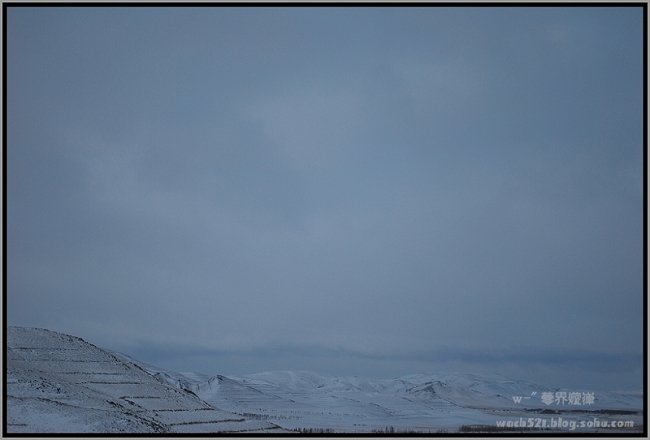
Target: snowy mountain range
[[59, 383]]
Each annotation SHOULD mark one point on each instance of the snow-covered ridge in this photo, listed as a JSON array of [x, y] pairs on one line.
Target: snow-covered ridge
[[420, 402], [61, 384]]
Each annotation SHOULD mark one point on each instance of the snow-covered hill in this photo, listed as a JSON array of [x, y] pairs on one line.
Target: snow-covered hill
[[422, 402], [57, 383]]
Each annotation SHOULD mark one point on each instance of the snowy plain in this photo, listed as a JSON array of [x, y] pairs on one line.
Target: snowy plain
[[419, 403], [59, 383]]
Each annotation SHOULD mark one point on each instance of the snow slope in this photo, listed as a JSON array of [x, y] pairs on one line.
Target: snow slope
[[57, 383]]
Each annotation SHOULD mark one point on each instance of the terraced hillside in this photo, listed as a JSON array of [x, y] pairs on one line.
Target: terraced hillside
[[61, 384]]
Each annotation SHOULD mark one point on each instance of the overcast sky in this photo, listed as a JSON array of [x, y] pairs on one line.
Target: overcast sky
[[355, 191]]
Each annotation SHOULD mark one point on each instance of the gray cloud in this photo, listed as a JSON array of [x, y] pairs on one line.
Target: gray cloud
[[336, 185]]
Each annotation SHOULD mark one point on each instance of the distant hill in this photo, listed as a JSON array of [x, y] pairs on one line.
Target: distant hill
[[440, 401]]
